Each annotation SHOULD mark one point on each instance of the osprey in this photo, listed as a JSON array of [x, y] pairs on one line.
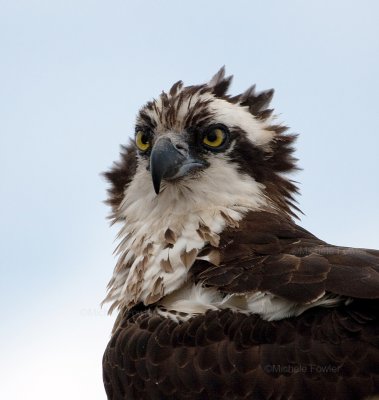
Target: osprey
[[219, 293]]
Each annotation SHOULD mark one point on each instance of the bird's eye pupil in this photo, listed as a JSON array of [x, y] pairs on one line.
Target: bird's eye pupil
[[212, 136], [144, 139]]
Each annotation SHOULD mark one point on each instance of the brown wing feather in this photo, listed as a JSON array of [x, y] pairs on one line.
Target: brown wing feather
[[270, 253], [322, 354]]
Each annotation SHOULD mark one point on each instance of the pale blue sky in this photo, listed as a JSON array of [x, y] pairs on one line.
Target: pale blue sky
[[72, 77]]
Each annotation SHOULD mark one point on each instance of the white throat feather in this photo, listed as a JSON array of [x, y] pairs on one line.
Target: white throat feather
[[162, 235]]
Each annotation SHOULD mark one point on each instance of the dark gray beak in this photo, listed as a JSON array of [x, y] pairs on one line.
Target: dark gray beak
[[168, 161]]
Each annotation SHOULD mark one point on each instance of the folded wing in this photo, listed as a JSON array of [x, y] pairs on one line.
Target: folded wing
[[270, 253]]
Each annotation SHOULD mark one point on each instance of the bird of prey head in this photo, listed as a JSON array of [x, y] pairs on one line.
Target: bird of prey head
[[197, 139]]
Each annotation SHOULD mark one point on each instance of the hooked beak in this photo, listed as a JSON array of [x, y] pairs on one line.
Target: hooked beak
[[169, 162]]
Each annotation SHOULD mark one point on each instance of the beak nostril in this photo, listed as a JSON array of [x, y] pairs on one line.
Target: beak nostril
[[180, 146]]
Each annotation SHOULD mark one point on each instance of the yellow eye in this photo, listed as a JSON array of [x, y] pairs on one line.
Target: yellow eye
[[142, 140], [214, 138]]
